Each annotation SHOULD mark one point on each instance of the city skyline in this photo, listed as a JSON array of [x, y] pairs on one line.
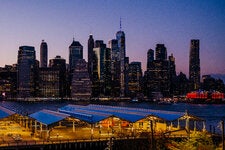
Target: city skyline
[[177, 22]]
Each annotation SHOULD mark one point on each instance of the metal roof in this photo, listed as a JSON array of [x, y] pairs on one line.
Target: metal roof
[[86, 115], [48, 117], [160, 114], [4, 112], [94, 113]]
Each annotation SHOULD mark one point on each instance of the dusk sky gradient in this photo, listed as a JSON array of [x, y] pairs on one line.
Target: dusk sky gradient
[[145, 23]]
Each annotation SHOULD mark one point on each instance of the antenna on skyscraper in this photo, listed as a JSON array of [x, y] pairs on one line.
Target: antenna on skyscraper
[[120, 24]]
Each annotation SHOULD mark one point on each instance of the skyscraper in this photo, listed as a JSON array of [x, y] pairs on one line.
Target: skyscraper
[[90, 55], [81, 83], [160, 52], [120, 36], [194, 65], [26, 71], [75, 53], [115, 67], [58, 63], [135, 78], [157, 75], [43, 54], [101, 70], [172, 70], [150, 57]]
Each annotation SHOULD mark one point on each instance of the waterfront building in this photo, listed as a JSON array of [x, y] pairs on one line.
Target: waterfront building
[[115, 67], [134, 78], [49, 83], [43, 54], [8, 83], [81, 83], [90, 55], [27, 72], [58, 63], [194, 65], [75, 53]]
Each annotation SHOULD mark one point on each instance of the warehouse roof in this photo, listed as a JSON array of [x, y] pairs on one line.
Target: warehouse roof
[[86, 115], [48, 117], [95, 113], [4, 112]]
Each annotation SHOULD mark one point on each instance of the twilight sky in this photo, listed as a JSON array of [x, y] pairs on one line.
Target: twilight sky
[[145, 23]]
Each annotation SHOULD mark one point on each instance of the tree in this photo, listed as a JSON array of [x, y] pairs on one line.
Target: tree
[[197, 141]]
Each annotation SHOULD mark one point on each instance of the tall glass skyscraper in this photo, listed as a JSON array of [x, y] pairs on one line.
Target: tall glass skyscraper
[[150, 58], [115, 67], [75, 53], [43, 54], [120, 36], [26, 71], [194, 65], [90, 55]]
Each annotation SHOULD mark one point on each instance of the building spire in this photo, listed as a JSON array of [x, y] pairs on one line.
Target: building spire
[[120, 24]]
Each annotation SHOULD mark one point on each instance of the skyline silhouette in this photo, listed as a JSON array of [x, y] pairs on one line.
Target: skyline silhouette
[[145, 23]]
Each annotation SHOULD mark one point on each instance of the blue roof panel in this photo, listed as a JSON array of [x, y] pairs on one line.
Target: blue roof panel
[[81, 113], [4, 112], [48, 117], [95, 113]]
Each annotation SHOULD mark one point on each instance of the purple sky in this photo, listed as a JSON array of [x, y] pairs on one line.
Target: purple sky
[[145, 23]]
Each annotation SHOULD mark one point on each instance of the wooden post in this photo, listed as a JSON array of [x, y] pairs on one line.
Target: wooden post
[[73, 126], [222, 123], [178, 124], [152, 135]]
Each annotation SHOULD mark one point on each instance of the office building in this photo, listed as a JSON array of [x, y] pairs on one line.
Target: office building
[[194, 65], [8, 83], [58, 63], [90, 55], [115, 67], [160, 52], [43, 54], [120, 37], [172, 74], [101, 70], [150, 57], [27, 72], [135, 79], [157, 76], [49, 83], [75, 53], [81, 83]]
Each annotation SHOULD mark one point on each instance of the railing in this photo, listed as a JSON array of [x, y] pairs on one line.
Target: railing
[[36, 143]]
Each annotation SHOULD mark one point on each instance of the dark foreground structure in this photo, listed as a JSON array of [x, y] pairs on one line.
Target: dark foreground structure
[[110, 144]]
